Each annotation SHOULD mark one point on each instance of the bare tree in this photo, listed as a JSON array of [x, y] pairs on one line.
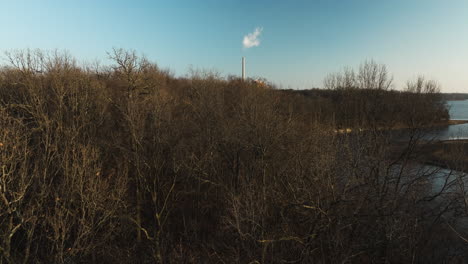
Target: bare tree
[[17, 207]]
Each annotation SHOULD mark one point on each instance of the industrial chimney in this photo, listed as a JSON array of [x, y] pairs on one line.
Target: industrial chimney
[[243, 68]]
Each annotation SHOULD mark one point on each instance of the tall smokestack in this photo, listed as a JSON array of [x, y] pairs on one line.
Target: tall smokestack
[[243, 68]]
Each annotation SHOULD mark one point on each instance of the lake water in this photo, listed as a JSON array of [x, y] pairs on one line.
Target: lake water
[[440, 177], [458, 111]]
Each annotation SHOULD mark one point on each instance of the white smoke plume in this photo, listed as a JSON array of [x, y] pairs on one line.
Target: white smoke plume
[[252, 39]]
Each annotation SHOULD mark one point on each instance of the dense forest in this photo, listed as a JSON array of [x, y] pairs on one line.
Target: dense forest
[[128, 164]]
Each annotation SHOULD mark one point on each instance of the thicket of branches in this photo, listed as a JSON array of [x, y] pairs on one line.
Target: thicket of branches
[[127, 164], [367, 98]]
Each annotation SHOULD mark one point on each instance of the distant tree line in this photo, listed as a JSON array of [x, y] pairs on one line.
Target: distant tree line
[[366, 98], [455, 96], [128, 164]]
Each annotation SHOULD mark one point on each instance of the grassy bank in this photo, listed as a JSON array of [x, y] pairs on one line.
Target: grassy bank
[[450, 154]]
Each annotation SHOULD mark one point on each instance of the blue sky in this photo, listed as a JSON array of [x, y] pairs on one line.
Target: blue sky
[[301, 41]]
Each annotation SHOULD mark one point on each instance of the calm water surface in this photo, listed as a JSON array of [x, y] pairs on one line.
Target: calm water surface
[[458, 111]]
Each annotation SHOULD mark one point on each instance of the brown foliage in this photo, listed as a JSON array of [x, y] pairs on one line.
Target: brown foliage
[[128, 164]]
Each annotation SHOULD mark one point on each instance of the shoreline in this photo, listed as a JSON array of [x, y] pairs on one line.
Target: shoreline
[[447, 154], [456, 122], [450, 122]]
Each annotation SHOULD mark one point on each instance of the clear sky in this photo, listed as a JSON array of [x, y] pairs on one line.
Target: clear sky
[[300, 43]]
